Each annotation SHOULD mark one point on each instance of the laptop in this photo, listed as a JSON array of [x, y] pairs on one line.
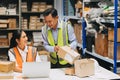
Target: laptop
[[36, 69]]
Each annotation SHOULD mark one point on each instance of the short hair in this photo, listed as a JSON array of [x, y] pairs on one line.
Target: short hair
[[51, 11]]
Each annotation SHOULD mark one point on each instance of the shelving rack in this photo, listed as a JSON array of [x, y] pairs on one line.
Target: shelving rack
[[115, 35], [115, 61], [18, 16], [7, 6]]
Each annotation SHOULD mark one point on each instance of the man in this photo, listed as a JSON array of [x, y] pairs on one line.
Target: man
[[57, 33]]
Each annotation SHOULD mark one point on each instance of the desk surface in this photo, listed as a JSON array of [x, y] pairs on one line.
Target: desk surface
[[58, 74]]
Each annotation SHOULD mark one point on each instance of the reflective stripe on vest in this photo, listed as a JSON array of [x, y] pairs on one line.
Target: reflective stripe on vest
[[29, 58], [61, 33]]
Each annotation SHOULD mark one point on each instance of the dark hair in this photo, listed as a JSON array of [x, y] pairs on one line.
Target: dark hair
[[51, 11], [16, 35]]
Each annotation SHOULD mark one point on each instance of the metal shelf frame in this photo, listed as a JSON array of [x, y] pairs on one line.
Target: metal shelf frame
[[114, 61], [115, 35]]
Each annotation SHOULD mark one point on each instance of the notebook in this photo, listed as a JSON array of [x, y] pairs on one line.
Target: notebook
[[36, 69]]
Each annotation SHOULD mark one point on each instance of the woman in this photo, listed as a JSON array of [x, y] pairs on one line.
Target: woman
[[20, 52]]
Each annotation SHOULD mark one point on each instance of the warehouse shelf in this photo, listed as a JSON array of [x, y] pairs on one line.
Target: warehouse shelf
[[16, 15], [101, 57], [115, 26], [72, 17], [4, 46], [8, 29], [32, 30], [10, 18], [29, 12]]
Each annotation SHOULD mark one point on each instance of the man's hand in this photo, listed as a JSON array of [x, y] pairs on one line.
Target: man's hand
[[56, 48]]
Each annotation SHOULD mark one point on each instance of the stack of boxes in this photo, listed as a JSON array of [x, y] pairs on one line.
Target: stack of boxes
[[12, 23], [35, 7], [24, 23], [3, 10], [24, 7], [37, 39], [3, 40], [6, 23], [111, 43], [104, 44], [40, 6], [101, 44], [34, 23], [3, 23]]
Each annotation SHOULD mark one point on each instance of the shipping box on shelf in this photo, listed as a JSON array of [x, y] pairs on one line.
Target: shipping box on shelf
[[68, 54], [4, 21], [111, 34], [4, 42], [12, 23], [111, 50], [101, 44], [84, 67], [3, 25], [42, 6], [24, 7], [6, 66]]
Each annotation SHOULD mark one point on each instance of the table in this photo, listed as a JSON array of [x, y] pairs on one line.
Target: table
[[58, 74]]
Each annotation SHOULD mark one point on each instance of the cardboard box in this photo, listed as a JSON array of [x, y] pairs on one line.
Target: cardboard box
[[6, 66], [68, 54], [3, 25], [3, 10], [7, 77], [49, 6], [44, 55], [111, 50], [12, 23], [84, 67], [4, 21], [101, 44], [32, 26], [70, 71], [4, 42], [111, 34]]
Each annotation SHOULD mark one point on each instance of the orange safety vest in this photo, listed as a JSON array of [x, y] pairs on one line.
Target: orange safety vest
[[29, 58]]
